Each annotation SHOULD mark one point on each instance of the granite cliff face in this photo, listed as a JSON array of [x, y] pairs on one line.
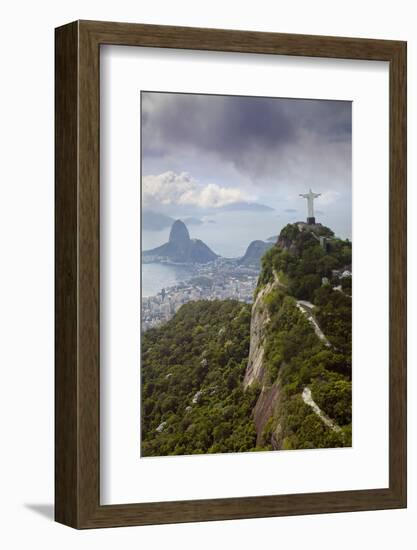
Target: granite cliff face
[[155, 221], [291, 360], [259, 321], [269, 398], [180, 248], [179, 234]]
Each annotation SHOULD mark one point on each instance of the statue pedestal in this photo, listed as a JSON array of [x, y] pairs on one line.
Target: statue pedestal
[[311, 221]]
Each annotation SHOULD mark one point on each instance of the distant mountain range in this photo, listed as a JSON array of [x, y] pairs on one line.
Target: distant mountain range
[[180, 248], [296, 388], [246, 206], [254, 253], [155, 221]]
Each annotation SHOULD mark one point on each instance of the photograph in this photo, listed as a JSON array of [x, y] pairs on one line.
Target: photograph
[[188, 194], [246, 274]]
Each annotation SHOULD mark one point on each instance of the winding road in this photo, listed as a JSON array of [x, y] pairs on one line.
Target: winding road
[[306, 308], [308, 400]]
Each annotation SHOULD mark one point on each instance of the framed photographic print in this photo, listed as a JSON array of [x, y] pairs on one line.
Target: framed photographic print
[[230, 274]]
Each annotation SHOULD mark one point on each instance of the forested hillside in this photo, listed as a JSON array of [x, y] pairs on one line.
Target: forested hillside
[[305, 299], [192, 371], [295, 359], [222, 377]]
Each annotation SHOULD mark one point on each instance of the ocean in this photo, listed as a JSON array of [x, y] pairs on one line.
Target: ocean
[[228, 236], [155, 277]]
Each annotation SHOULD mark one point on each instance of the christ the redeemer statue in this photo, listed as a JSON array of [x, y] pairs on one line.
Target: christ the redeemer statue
[[310, 205]]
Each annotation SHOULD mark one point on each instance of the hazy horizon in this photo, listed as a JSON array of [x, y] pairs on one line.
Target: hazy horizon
[[202, 153]]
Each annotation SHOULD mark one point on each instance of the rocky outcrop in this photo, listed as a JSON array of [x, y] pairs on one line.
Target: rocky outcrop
[[259, 321], [284, 399], [266, 407], [254, 253], [179, 234], [269, 398], [287, 244], [180, 248]]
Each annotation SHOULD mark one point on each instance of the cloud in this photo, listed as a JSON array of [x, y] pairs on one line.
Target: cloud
[[290, 210], [169, 188], [266, 140], [328, 197]]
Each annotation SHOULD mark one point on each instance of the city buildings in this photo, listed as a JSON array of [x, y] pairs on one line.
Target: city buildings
[[219, 280]]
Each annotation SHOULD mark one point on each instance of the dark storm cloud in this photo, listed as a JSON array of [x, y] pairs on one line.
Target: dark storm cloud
[[256, 135], [225, 125]]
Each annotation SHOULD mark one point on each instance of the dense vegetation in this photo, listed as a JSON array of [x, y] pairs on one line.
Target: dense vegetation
[[192, 370], [304, 261], [293, 352], [295, 356], [193, 399]]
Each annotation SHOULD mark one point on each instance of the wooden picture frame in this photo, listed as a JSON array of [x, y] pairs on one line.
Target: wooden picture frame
[[77, 373]]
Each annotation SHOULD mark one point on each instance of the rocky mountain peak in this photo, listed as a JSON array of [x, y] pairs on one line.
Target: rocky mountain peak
[[179, 233], [180, 248]]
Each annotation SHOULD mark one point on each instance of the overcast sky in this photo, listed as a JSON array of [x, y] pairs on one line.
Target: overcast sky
[[203, 152]]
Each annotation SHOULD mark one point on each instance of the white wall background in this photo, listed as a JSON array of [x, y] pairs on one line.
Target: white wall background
[[26, 274]]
